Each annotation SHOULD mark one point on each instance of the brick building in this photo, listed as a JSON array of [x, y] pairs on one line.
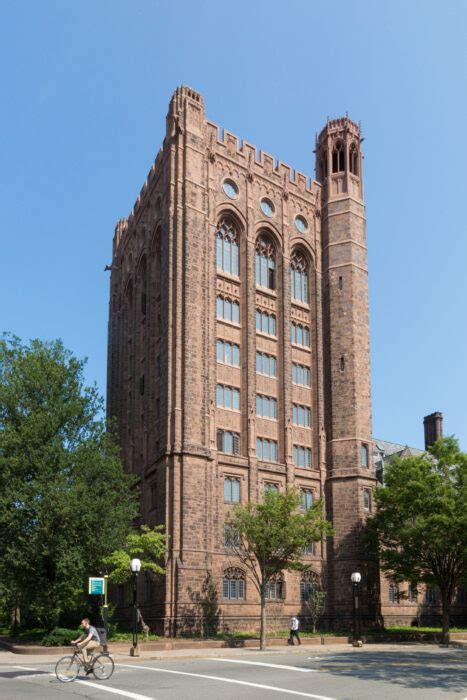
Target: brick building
[[239, 358]]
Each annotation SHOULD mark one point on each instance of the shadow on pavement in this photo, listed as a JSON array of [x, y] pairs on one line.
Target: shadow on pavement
[[407, 669]]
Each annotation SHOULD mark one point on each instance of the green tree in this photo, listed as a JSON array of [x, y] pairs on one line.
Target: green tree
[[420, 525], [270, 537], [65, 501], [148, 545]]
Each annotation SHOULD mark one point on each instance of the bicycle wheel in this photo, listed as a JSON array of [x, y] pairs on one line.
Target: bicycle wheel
[[67, 669], [103, 667]]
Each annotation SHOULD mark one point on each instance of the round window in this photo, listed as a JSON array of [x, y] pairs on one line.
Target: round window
[[230, 189], [267, 207], [301, 224]]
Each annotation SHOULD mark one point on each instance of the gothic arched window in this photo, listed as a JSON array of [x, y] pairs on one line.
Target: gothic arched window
[[265, 263], [227, 248], [353, 159], [309, 582], [338, 158], [298, 278], [233, 584]]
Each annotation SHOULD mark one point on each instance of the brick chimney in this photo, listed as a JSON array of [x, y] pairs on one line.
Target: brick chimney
[[433, 425]]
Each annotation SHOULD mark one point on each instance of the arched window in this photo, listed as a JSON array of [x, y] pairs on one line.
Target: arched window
[[265, 263], [265, 323], [275, 588], [338, 158], [309, 582], [233, 584], [298, 278], [353, 159], [394, 593], [227, 248]]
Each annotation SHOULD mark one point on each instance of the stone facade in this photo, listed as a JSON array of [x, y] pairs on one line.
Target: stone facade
[[228, 373]]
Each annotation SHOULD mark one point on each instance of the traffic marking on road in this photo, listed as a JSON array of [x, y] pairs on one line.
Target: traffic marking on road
[[116, 691], [287, 691], [261, 663]]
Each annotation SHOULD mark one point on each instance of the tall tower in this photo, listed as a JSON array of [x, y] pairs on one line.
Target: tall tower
[[239, 358], [350, 477]]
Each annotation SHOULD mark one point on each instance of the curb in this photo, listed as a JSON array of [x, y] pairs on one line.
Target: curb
[[173, 645]]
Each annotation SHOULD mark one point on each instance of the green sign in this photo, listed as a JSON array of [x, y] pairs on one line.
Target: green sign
[[96, 586]]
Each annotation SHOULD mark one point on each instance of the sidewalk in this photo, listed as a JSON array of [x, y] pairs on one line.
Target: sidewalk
[[123, 655]]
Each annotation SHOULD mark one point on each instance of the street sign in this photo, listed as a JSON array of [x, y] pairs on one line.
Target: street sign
[[96, 586]]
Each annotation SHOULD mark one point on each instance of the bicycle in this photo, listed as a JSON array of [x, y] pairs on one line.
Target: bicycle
[[101, 665]]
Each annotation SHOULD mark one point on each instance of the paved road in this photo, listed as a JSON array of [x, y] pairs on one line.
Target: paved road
[[422, 673]]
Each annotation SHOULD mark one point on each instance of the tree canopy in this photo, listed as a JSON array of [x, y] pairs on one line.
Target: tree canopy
[[270, 537], [420, 525], [150, 546], [65, 502]]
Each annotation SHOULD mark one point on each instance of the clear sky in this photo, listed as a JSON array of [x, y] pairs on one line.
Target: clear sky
[[85, 89]]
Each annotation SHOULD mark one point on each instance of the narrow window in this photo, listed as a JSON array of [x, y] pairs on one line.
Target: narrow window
[[366, 501], [365, 456], [259, 363], [306, 499], [236, 312], [338, 158], [220, 307], [342, 363], [227, 309], [228, 490], [227, 248], [353, 159], [298, 278], [265, 265], [341, 282]]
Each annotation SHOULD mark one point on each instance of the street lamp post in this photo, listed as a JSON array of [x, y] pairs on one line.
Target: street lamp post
[[356, 578], [136, 568]]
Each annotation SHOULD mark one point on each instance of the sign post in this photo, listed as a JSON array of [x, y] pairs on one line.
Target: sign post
[[98, 586], [106, 607]]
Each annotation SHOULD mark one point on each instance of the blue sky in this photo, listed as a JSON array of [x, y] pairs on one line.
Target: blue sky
[[85, 92]]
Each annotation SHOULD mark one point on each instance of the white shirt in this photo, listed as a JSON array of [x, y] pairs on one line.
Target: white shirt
[[294, 624]]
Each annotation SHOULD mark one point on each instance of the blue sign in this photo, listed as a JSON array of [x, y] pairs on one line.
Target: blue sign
[[96, 586]]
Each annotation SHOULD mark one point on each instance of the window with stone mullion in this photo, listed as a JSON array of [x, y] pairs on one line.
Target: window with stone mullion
[[265, 265]]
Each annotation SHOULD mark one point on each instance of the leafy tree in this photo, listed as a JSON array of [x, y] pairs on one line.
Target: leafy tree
[[271, 537], [150, 546], [65, 501], [420, 525]]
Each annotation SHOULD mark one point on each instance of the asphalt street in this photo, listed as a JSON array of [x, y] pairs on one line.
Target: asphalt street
[[427, 673]]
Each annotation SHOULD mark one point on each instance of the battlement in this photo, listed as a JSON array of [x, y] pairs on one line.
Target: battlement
[[224, 143], [256, 160], [184, 91], [340, 125]]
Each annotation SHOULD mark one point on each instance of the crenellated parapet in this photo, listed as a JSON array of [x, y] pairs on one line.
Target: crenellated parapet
[[257, 162]]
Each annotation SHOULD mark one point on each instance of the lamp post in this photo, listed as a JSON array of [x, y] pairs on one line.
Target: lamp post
[[136, 568], [356, 578]]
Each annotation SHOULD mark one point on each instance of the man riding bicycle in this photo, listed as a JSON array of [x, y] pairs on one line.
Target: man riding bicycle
[[89, 640]]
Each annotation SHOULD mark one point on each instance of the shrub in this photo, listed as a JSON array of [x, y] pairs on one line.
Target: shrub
[[59, 636]]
